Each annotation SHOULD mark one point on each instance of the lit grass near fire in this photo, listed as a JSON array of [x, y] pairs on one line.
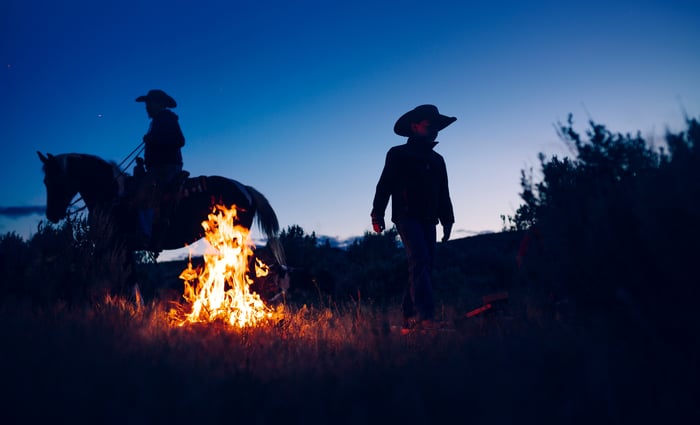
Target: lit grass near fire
[[220, 291]]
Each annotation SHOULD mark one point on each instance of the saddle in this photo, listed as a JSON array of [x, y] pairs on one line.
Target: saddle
[[173, 189], [145, 193], [182, 186]]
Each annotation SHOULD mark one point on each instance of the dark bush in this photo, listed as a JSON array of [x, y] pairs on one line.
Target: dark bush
[[71, 261], [14, 261], [618, 226]]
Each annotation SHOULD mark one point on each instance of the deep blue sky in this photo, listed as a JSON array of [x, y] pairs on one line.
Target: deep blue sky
[[299, 98]]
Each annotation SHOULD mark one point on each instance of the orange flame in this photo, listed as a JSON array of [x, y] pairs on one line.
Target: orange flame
[[221, 291]]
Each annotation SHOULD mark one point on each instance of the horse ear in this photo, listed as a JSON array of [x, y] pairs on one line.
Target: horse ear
[[42, 157]]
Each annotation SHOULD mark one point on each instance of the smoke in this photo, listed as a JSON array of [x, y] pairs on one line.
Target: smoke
[[15, 212]]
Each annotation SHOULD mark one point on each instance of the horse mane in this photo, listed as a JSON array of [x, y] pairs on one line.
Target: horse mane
[[118, 174], [63, 157]]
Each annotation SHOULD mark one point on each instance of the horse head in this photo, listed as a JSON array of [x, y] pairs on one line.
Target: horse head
[[59, 189]]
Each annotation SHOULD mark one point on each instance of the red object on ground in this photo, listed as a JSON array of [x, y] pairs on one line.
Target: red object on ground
[[479, 310]]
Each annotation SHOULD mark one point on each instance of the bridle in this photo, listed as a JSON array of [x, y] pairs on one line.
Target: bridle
[[129, 160]]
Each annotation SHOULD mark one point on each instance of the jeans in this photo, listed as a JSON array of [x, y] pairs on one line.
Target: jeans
[[418, 239], [156, 179]]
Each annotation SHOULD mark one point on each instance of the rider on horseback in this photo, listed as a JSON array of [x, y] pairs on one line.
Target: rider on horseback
[[163, 161]]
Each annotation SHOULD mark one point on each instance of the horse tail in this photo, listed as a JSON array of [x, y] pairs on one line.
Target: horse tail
[[268, 224]]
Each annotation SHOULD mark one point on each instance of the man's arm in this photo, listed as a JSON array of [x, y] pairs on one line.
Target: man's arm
[[445, 210], [446, 231], [382, 194]]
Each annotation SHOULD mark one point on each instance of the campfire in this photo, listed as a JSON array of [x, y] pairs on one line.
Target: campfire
[[221, 289]]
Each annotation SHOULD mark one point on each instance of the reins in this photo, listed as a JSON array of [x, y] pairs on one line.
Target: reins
[[136, 152]]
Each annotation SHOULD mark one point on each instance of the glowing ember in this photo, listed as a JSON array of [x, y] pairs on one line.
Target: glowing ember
[[221, 291]]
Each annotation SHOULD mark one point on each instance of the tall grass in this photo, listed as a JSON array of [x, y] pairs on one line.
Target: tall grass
[[113, 363]]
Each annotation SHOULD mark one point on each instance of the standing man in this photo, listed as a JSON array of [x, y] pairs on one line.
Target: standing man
[[415, 177], [162, 155]]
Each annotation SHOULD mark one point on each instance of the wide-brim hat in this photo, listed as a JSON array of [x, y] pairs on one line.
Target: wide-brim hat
[[418, 114], [158, 96]]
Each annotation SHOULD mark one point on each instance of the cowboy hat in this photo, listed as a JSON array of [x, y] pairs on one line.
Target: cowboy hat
[[158, 96], [418, 114]]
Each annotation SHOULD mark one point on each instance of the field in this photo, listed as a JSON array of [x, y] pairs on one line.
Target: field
[[335, 358]]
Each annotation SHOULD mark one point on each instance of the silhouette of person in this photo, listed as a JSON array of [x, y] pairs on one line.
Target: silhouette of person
[[162, 154], [415, 178]]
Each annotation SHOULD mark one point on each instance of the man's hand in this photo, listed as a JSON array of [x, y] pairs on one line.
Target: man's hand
[[378, 224], [446, 230]]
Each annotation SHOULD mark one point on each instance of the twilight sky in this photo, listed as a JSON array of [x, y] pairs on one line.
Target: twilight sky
[[299, 98]]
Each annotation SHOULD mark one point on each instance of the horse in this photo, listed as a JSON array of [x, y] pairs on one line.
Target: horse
[[103, 187]]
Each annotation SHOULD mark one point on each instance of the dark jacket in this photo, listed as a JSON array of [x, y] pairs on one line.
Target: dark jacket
[[415, 177], [163, 140]]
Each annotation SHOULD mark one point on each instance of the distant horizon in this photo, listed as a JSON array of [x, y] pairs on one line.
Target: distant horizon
[[199, 247]]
